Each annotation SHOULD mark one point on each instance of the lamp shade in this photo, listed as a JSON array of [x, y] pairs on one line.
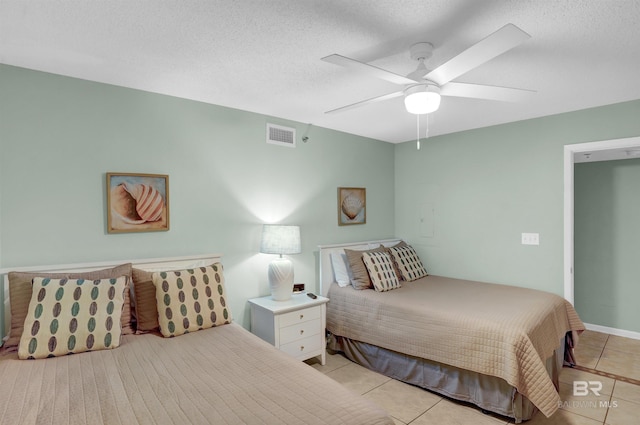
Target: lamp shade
[[278, 239], [422, 99]]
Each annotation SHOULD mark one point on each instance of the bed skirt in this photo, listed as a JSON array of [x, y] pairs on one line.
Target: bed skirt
[[487, 392]]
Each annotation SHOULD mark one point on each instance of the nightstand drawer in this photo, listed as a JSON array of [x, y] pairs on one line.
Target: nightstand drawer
[[295, 326], [301, 347], [300, 330], [299, 316]]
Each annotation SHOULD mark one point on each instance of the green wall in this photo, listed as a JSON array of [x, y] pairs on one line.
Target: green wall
[[59, 136], [464, 199], [607, 243]]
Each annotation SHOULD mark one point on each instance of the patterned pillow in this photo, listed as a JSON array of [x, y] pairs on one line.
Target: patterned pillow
[[380, 267], [20, 295], [71, 316], [408, 262], [361, 278], [395, 266], [190, 300]]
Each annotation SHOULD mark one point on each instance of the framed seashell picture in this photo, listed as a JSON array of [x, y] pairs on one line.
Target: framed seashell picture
[[352, 205], [137, 202]]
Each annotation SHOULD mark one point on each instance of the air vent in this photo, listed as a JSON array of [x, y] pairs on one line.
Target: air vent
[[279, 135]]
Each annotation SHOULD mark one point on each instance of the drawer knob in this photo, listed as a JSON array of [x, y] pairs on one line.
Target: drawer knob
[[301, 331], [302, 348], [302, 316]]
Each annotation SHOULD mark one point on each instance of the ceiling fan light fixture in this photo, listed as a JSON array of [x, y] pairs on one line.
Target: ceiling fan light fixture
[[422, 99]]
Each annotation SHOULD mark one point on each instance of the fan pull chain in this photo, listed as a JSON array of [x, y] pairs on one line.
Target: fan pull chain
[[426, 136], [418, 131]]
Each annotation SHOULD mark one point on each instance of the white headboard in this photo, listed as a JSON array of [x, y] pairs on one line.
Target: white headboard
[[326, 269], [150, 264]]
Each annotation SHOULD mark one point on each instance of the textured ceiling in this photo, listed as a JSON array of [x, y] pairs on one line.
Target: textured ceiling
[[264, 56]]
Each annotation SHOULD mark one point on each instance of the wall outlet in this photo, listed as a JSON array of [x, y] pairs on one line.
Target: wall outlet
[[530, 239]]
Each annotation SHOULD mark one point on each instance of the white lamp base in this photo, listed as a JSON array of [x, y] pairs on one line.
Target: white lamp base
[[281, 279]]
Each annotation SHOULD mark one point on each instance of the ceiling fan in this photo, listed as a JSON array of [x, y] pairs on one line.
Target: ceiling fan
[[424, 87]]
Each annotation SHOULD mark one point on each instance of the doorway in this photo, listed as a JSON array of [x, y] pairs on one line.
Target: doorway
[[605, 150]]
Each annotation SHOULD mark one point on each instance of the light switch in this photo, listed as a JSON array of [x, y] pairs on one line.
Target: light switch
[[530, 239]]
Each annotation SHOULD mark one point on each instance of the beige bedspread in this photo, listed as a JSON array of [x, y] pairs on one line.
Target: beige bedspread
[[492, 329], [222, 375]]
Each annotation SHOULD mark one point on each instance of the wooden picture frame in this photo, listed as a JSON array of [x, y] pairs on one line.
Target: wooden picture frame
[[352, 205], [137, 202]]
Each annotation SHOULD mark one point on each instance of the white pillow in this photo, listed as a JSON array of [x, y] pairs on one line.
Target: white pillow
[[341, 270]]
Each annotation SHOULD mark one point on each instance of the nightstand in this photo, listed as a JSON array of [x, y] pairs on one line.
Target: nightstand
[[295, 326]]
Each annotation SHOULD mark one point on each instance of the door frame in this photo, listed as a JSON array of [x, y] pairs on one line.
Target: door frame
[[570, 154]]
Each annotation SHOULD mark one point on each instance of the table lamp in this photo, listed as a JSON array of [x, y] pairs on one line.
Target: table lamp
[[282, 240]]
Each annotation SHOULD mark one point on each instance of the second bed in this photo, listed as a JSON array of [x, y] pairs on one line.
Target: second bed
[[499, 347]]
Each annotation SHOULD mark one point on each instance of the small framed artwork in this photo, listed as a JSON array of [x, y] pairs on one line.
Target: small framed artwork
[[137, 202], [352, 205]]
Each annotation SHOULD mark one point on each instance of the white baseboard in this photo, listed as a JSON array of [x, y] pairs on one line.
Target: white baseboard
[[613, 331]]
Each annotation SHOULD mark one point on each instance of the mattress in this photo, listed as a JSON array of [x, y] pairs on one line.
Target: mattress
[[222, 375], [497, 330]]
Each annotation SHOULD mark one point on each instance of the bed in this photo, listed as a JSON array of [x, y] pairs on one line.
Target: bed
[[218, 375], [496, 346]]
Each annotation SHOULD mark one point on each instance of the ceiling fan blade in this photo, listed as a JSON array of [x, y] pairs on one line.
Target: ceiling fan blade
[[366, 102], [479, 91], [506, 38], [368, 69]]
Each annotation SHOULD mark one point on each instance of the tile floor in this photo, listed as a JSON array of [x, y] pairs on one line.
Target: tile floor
[[411, 405]]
